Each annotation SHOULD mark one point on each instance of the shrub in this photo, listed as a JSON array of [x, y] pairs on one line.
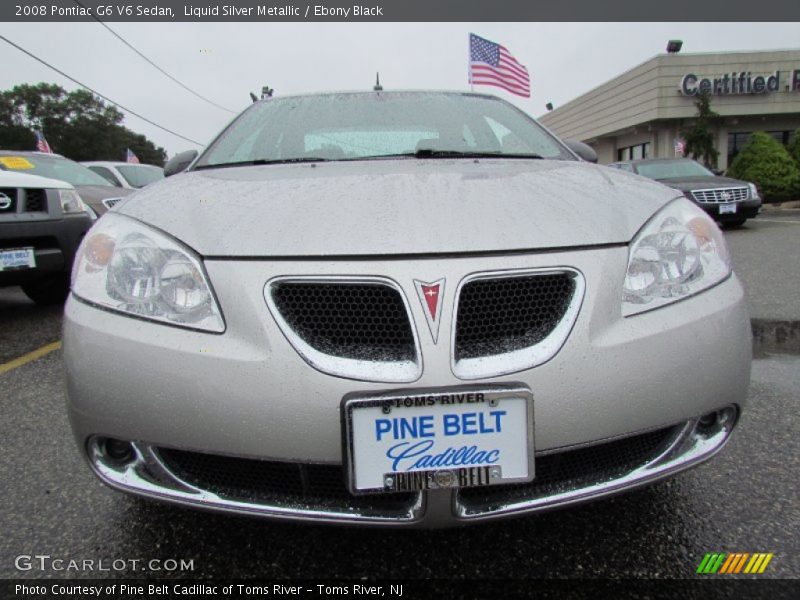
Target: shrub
[[794, 147], [765, 162]]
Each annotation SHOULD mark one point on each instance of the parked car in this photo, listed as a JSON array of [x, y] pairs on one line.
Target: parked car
[[42, 221], [359, 308], [729, 201], [95, 191], [127, 175]]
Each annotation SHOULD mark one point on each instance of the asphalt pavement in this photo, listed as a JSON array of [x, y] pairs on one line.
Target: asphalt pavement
[[766, 256], [744, 500]]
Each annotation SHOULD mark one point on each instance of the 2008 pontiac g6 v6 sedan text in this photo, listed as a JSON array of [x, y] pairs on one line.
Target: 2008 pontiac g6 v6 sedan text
[[400, 308]]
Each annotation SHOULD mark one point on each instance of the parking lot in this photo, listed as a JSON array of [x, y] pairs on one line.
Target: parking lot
[[744, 500]]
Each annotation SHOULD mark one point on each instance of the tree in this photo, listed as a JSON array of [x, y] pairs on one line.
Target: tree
[[77, 124], [766, 162], [700, 136]]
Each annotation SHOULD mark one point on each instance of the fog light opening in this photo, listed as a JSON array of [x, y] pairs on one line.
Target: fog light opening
[[717, 421], [707, 422], [117, 451]]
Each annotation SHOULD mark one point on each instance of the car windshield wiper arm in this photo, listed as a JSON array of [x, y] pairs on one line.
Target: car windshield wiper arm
[[263, 161], [433, 153]]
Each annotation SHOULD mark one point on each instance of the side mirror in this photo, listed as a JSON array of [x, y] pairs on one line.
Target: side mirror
[[179, 162], [585, 151]]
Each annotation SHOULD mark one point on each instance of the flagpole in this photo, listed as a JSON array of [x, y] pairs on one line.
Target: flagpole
[[469, 60]]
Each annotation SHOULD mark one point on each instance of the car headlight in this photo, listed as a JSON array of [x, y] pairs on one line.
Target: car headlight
[[71, 202], [753, 191], [677, 254], [127, 266]]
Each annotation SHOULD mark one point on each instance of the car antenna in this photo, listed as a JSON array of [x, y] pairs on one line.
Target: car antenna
[[253, 97], [377, 87], [266, 92]]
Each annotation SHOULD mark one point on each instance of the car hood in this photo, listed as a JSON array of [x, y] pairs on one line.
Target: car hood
[[702, 183], [397, 207]]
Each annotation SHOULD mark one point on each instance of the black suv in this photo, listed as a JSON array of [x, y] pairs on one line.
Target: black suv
[[42, 222], [729, 201]]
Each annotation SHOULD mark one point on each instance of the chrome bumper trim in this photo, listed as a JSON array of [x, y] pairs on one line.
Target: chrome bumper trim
[[692, 445], [147, 475]]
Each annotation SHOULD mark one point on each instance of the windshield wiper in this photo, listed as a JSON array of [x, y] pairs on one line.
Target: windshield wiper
[[263, 161], [433, 153]]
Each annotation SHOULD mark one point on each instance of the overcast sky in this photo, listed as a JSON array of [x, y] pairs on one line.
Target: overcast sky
[[226, 61]]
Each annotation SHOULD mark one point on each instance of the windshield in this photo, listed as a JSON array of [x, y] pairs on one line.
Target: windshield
[[672, 169], [55, 168], [359, 126], [140, 175]]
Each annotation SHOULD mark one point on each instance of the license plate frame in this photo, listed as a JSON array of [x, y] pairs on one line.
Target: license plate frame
[[442, 399], [727, 209], [8, 254]]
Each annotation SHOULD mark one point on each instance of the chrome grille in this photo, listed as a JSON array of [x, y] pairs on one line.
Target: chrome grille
[[507, 322], [110, 202], [278, 483], [352, 328], [721, 195]]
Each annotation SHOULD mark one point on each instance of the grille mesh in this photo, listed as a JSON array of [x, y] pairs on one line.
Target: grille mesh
[[361, 321], [572, 470], [109, 203], [722, 195], [277, 483], [497, 316], [35, 200]]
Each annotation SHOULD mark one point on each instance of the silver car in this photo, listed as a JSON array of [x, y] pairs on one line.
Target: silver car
[[402, 309]]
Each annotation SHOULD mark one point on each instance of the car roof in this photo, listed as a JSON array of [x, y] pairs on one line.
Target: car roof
[[383, 92]]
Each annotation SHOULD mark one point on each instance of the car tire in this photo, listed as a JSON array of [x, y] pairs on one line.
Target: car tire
[[48, 292], [733, 224]]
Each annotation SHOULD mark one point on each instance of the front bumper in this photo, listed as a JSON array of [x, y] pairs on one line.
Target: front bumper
[[746, 209], [55, 242], [246, 394]]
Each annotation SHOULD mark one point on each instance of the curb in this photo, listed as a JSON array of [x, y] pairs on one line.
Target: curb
[[775, 336]]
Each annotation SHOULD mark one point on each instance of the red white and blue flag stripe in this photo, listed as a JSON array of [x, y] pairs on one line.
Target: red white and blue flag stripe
[[41, 143], [493, 64], [131, 157]]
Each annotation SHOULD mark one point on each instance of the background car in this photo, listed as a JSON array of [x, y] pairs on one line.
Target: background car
[[95, 191], [383, 316], [128, 175], [42, 221], [729, 201]]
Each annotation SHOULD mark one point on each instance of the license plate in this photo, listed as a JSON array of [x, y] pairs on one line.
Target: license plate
[[16, 259], [727, 209], [434, 439]]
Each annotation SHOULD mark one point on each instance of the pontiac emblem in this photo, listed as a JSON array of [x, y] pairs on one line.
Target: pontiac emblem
[[431, 296]]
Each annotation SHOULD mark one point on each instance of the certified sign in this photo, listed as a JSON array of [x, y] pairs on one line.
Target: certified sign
[[424, 440]]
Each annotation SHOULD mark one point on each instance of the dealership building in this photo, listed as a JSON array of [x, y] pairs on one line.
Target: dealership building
[[641, 113]]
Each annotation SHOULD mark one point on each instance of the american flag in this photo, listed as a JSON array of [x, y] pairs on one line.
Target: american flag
[[41, 143], [131, 157], [493, 64]]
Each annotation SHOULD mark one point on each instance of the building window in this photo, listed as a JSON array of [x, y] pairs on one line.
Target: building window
[[737, 141], [635, 152]]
